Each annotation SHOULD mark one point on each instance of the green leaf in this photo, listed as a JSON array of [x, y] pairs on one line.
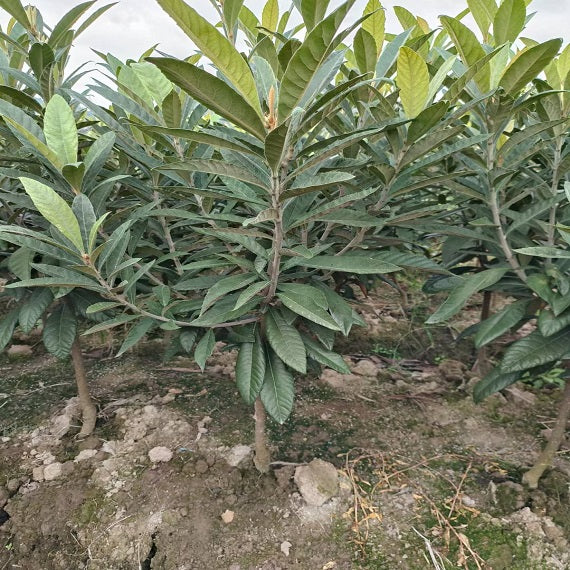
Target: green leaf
[[325, 357], [509, 21], [225, 286], [278, 390], [270, 16], [111, 323], [219, 167], [212, 92], [85, 215], [147, 81], [250, 369], [365, 51], [499, 323], [544, 251], [313, 11], [376, 23], [494, 382], [187, 338], [549, 324], [469, 48], [413, 82], [7, 326], [249, 293], [301, 299], [350, 263], [527, 65], [135, 334], [96, 158], [535, 349], [390, 54], [308, 59], [204, 349], [19, 262], [216, 48], [102, 306], [314, 182], [60, 130], [41, 58], [61, 29], [60, 330], [461, 294], [55, 210], [483, 12], [286, 341], [17, 11], [34, 308]]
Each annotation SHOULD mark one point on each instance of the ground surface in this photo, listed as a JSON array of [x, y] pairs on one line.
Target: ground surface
[[428, 479]]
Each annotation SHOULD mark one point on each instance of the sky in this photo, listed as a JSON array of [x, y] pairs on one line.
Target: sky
[[132, 26]]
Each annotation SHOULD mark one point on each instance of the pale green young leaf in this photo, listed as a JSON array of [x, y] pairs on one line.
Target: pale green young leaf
[[55, 210], [270, 15], [390, 54], [204, 349], [278, 390], [313, 12], [509, 21], [61, 29], [365, 51], [231, 10], [17, 11], [413, 81], [483, 12], [60, 130], [286, 341], [296, 299], [376, 23], [225, 57]]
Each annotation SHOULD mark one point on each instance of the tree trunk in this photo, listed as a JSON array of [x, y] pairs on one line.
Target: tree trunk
[[262, 456], [482, 366], [88, 409], [545, 459]]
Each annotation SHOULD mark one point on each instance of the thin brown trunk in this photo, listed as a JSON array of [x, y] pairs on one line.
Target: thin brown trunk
[[545, 459], [482, 366], [262, 455], [88, 409]]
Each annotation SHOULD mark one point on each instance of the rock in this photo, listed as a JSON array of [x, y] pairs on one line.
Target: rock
[[285, 547], [53, 471], [160, 454], [17, 350], [228, 516], [468, 501], [168, 398], [38, 473], [520, 397], [201, 466], [365, 368], [4, 496], [453, 370], [67, 468], [238, 454], [85, 454], [317, 482], [13, 485], [89, 443]]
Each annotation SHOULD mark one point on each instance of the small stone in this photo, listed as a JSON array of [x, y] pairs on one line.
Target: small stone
[[520, 397], [228, 516], [285, 547], [317, 482], [468, 501], [238, 454], [67, 468], [89, 443], [13, 485], [4, 496], [453, 370], [38, 473], [53, 471], [17, 350], [85, 454], [201, 466], [168, 398], [160, 454], [365, 368]]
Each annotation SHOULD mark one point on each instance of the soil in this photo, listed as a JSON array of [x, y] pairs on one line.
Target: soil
[[428, 478]]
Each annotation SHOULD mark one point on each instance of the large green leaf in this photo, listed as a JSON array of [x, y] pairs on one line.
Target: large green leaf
[[286, 341], [500, 323], [461, 294], [34, 308], [19, 262], [509, 21], [270, 15], [350, 263], [225, 57], [250, 369], [535, 349], [313, 11], [204, 349], [278, 390], [527, 65], [55, 210], [17, 11], [59, 331], [302, 300], [83, 210], [60, 130], [549, 324], [225, 286], [413, 81], [494, 382], [308, 59], [61, 29], [544, 251], [376, 23], [325, 357], [212, 92], [365, 51], [136, 333], [483, 12], [147, 81], [7, 326]]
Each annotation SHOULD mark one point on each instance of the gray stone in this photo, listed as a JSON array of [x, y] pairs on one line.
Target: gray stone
[[365, 368], [238, 454], [53, 471], [38, 473], [13, 485], [160, 454], [317, 482]]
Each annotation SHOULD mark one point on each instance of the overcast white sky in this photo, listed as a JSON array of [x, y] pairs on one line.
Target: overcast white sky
[[132, 26]]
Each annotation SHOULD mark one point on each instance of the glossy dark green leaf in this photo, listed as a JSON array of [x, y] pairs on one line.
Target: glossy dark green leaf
[[59, 331], [34, 308], [204, 349], [250, 370], [278, 390], [535, 349]]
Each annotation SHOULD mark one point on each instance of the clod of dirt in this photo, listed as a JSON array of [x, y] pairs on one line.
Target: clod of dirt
[[238, 454], [344, 382], [19, 350], [520, 397], [38, 473], [160, 454], [317, 482], [53, 471], [453, 370], [91, 442], [365, 368], [85, 454], [13, 485]]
